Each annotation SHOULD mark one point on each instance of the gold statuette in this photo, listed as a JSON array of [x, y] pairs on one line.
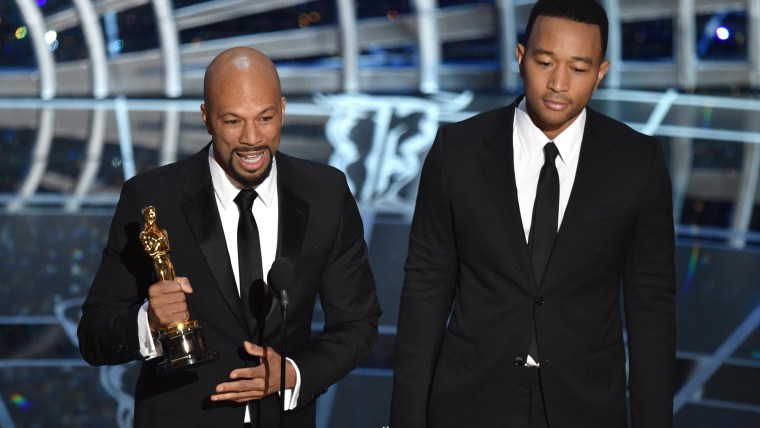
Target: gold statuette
[[183, 343]]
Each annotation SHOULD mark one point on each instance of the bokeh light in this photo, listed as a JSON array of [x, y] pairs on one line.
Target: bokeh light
[[21, 32], [20, 401], [722, 33], [306, 19], [50, 37]]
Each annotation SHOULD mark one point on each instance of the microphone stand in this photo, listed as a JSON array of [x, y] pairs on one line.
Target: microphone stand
[[259, 301], [284, 304], [281, 278]]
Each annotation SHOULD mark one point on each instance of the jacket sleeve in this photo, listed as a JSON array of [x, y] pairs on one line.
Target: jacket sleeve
[[107, 331], [349, 300], [427, 294], [649, 290]]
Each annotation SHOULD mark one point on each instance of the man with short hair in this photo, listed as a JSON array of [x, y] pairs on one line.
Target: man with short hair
[[528, 219], [302, 211]]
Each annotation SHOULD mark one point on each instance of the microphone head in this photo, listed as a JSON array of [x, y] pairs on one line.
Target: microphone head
[[260, 300], [281, 275]]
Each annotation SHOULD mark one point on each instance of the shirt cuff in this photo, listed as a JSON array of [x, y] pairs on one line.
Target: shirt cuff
[[149, 348], [291, 395]]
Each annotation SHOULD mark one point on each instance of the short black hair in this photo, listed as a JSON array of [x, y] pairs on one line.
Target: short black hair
[[583, 11]]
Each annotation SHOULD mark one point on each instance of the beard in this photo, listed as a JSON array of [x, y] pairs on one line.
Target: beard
[[250, 180]]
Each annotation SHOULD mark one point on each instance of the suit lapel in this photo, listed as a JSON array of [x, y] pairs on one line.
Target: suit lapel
[[203, 217], [294, 211], [499, 170], [591, 164], [585, 192]]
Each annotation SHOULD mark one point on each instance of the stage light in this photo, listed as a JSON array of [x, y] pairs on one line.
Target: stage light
[[722, 33]]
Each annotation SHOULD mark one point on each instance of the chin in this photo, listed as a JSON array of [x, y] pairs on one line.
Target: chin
[[253, 180]]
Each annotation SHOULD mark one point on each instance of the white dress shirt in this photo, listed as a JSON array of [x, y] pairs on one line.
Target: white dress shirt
[[266, 212], [528, 151]]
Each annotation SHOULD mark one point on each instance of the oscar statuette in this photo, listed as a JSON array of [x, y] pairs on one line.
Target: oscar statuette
[[183, 343]]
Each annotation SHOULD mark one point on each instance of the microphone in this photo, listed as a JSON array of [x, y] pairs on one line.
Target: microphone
[[260, 300], [281, 278]]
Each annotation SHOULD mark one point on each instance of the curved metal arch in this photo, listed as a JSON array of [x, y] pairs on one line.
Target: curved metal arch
[[45, 60], [39, 161], [615, 43], [429, 44], [349, 45], [753, 10], [508, 40], [92, 161], [167, 32], [96, 47]]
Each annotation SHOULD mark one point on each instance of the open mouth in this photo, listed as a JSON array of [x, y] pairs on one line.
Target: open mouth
[[251, 160]]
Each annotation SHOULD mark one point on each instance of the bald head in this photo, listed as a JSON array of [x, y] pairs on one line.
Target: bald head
[[239, 63]]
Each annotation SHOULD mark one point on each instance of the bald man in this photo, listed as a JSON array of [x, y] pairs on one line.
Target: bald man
[[303, 211]]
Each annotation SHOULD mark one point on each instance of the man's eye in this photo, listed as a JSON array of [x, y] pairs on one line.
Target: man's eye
[[266, 118]]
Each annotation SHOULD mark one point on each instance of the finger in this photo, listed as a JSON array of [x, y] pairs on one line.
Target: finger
[[238, 397], [184, 284], [165, 288], [240, 390], [239, 375], [168, 314], [253, 349]]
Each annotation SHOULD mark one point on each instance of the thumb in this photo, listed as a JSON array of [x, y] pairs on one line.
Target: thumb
[[184, 284], [253, 349]]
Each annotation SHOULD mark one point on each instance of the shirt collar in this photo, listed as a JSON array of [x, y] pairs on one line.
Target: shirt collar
[[532, 139], [227, 188]]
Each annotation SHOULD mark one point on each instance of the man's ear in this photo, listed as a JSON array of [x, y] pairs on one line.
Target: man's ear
[[204, 115], [520, 52], [603, 69], [283, 103]]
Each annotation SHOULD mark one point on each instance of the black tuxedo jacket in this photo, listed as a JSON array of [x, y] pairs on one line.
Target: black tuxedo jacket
[[320, 230], [470, 302]]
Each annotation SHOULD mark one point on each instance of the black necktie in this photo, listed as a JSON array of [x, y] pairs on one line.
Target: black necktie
[[543, 229], [249, 251]]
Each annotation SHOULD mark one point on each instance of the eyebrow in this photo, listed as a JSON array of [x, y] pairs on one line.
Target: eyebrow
[[232, 113], [583, 59]]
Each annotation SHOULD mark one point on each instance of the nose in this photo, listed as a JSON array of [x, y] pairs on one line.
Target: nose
[[249, 134], [559, 80]]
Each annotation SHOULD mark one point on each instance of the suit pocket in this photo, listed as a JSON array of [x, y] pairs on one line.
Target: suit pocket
[[458, 349]]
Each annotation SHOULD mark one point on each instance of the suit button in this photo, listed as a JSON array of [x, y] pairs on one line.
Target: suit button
[[519, 361], [540, 300]]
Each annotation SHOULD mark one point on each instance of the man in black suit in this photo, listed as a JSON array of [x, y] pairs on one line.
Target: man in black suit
[[303, 211], [510, 316]]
